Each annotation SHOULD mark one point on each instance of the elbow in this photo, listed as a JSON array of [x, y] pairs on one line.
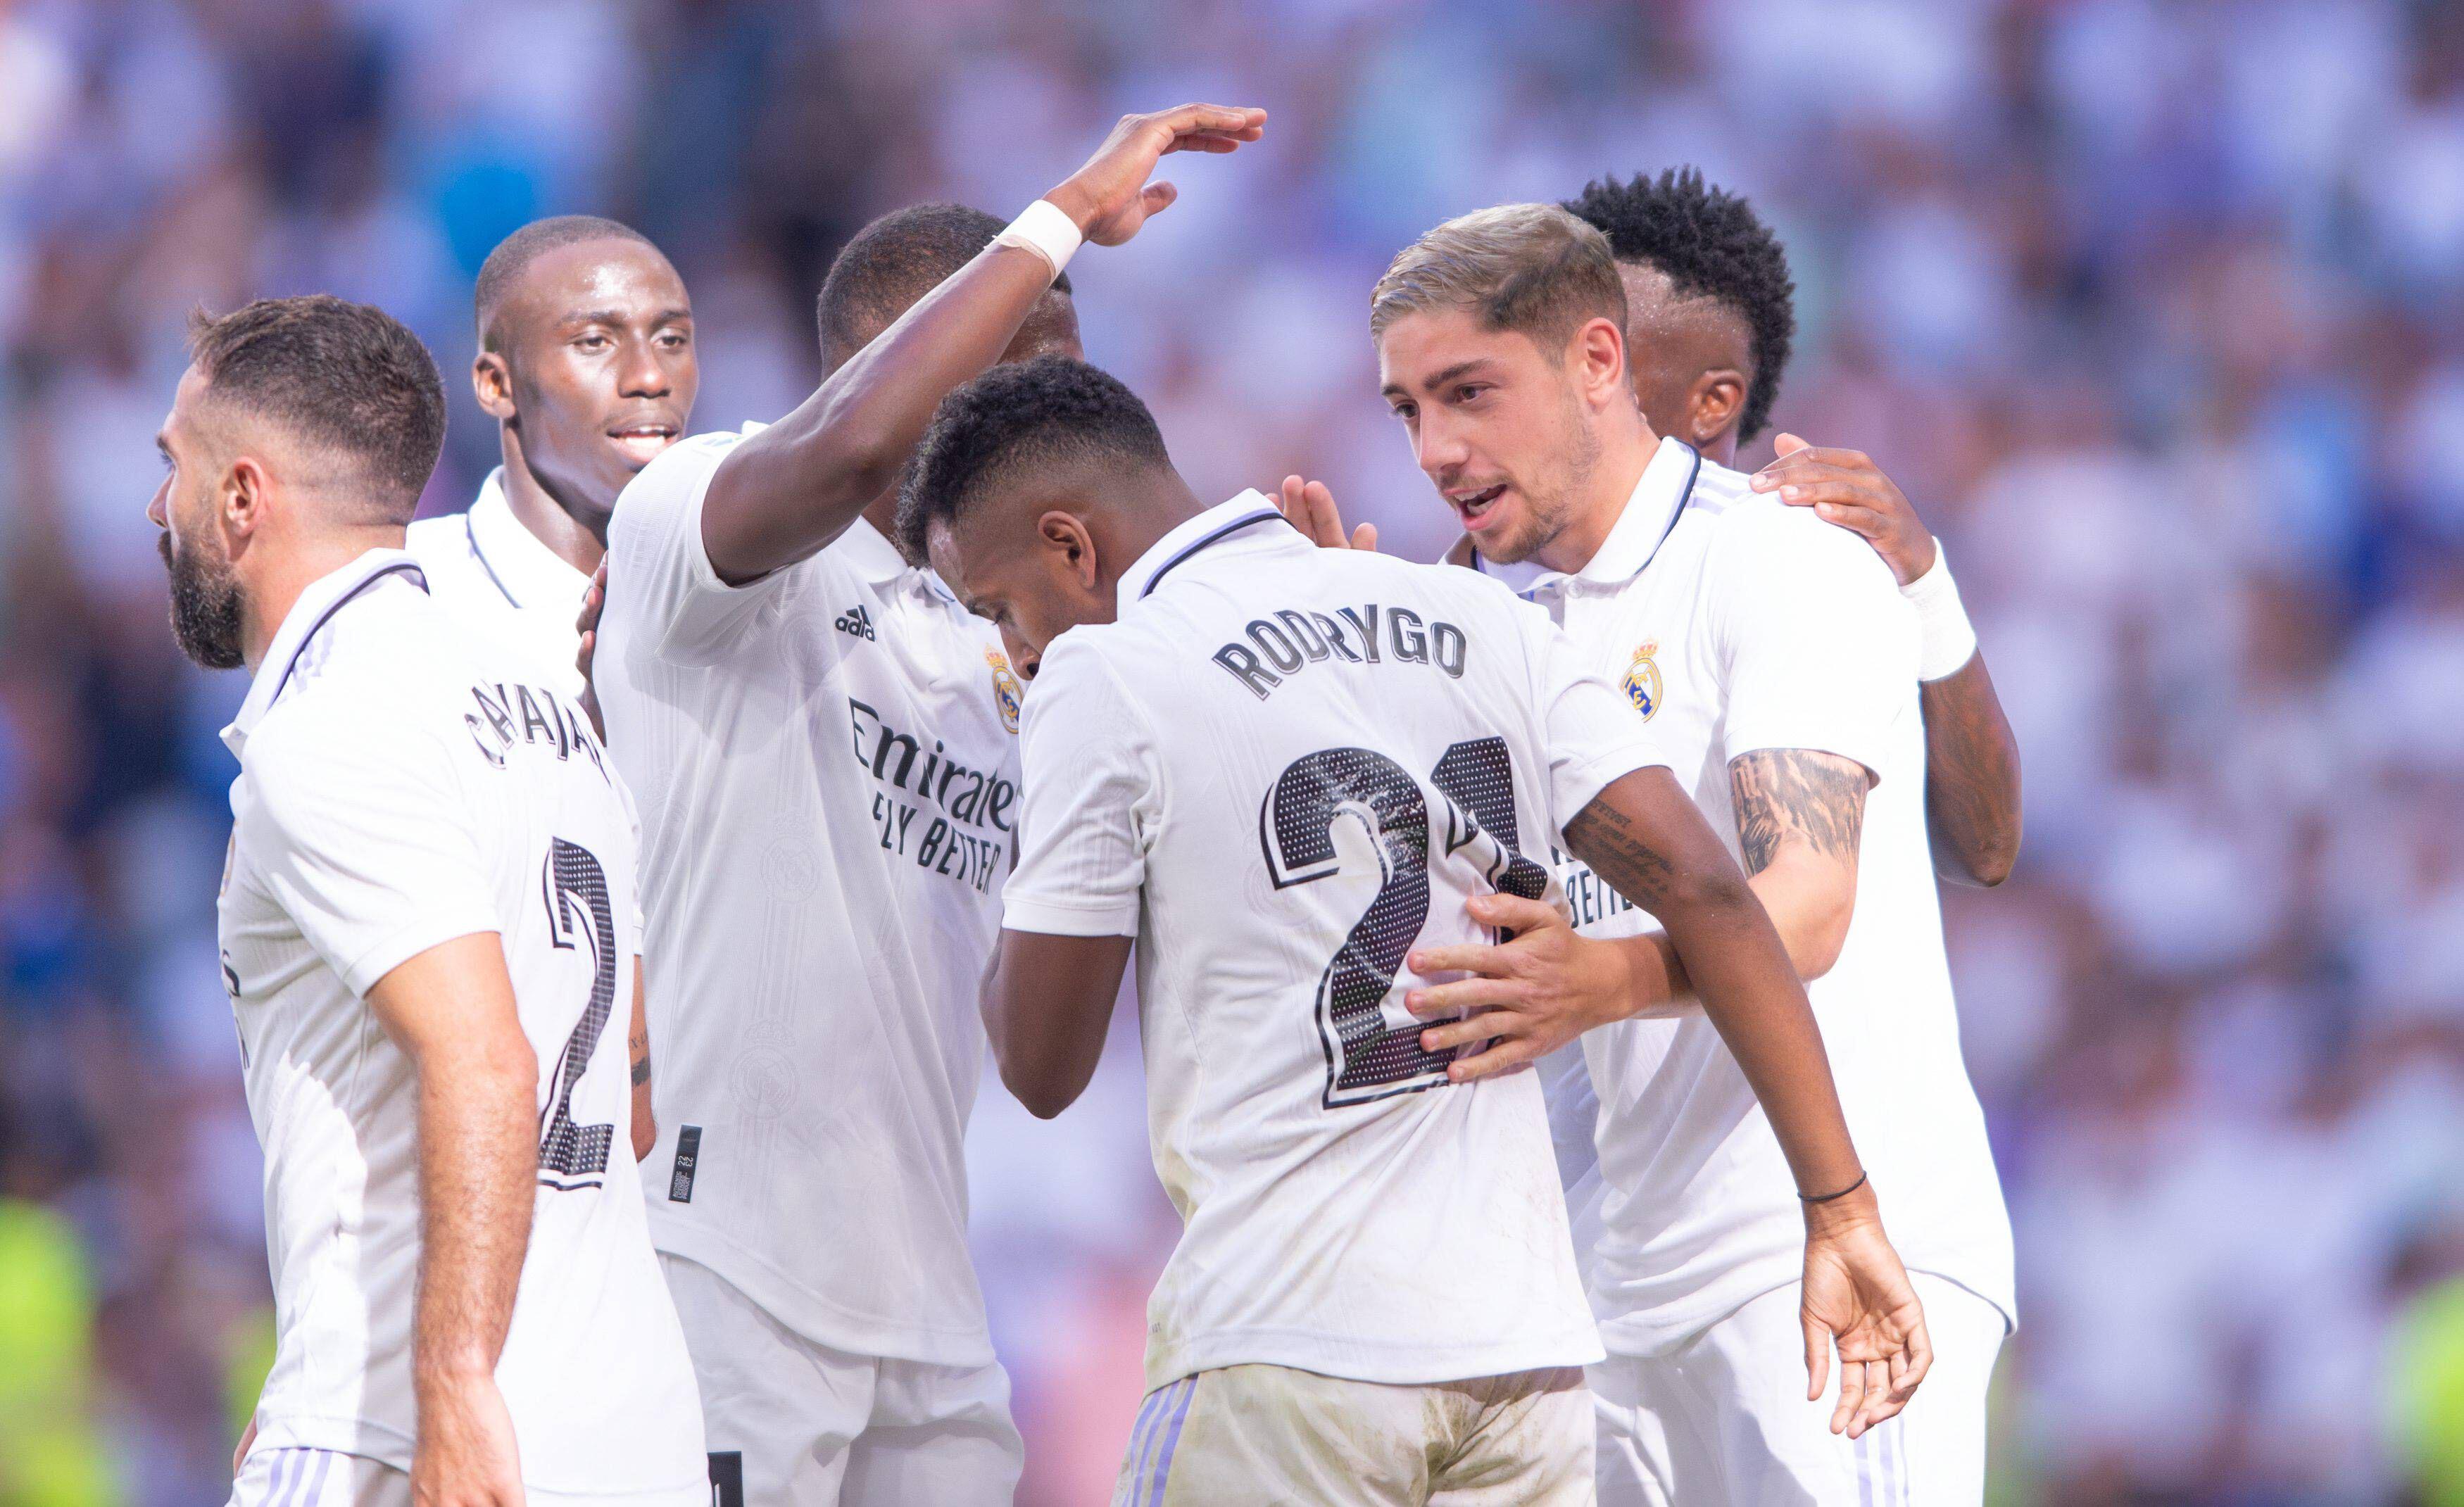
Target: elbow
[[1983, 860], [1043, 1098], [1815, 950], [646, 1136]]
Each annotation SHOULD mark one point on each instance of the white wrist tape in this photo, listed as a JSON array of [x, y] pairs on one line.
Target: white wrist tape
[[1947, 640], [1046, 230]]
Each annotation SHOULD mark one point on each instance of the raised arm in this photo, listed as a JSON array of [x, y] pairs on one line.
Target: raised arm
[[450, 1010], [1972, 759], [792, 488]]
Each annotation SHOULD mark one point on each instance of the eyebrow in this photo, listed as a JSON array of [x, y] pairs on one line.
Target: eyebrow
[[1440, 379], [617, 317]]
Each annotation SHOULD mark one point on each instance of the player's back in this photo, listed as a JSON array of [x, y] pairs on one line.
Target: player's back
[[406, 779], [1342, 749]]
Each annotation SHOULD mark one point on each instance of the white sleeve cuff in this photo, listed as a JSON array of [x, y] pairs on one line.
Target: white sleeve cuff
[[1056, 919]]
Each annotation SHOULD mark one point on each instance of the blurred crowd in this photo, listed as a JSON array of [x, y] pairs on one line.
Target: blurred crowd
[[2155, 308]]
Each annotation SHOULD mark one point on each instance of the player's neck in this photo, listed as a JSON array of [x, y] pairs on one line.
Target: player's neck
[[1625, 454], [1165, 505], [565, 531], [270, 592]]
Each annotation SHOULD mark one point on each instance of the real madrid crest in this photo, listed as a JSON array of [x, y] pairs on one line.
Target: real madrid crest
[[1643, 679], [1007, 691]]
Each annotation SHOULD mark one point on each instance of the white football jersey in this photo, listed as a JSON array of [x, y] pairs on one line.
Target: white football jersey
[[1280, 768], [1735, 622], [485, 565], [404, 781], [826, 761]]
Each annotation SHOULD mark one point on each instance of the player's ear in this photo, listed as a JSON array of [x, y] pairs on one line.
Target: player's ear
[[492, 383], [1712, 405], [1599, 359], [240, 500], [1064, 533]]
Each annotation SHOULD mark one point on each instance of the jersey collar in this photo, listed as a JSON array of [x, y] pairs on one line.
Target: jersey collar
[[324, 596], [523, 568], [1660, 495], [869, 552], [1187, 538]]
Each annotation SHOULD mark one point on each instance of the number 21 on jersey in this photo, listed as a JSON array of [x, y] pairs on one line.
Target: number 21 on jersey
[[1365, 1058]]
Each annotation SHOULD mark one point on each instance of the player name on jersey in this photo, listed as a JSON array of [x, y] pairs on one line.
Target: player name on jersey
[[509, 711], [1291, 640]]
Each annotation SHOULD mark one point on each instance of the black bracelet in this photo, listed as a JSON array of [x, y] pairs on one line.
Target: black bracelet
[[1824, 1198]]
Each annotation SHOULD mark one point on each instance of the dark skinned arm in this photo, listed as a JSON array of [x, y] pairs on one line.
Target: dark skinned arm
[[792, 488], [1972, 759], [646, 1126], [1047, 1004]]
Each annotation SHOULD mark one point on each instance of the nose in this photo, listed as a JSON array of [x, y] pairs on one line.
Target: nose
[[644, 376], [1440, 446], [157, 509], [1021, 657]]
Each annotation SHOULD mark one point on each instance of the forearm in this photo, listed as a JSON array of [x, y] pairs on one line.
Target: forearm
[[646, 1126], [1734, 961], [792, 488], [478, 1159], [1971, 776], [1803, 902], [1047, 1005]]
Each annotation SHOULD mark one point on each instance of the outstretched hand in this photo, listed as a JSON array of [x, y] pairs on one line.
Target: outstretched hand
[[1310, 508], [1110, 197]]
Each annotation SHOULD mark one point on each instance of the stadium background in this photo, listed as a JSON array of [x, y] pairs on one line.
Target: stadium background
[[2152, 307]]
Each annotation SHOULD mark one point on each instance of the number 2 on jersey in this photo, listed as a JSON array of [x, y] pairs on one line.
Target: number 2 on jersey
[[1365, 1059], [576, 889]]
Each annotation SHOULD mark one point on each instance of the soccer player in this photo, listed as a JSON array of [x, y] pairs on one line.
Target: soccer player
[[426, 919], [587, 362], [1709, 320], [1280, 768], [823, 742], [1774, 654]]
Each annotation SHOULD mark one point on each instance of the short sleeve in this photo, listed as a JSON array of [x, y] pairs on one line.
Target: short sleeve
[[1819, 647], [1593, 735], [1093, 789], [660, 581], [360, 832]]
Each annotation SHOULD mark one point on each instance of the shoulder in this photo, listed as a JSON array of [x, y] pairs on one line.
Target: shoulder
[[1756, 541], [676, 478], [447, 536]]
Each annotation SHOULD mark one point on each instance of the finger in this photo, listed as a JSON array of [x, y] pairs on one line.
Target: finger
[[1788, 444], [1504, 1057], [1365, 537], [1202, 144], [1864, 522], [1463, 957], [1474, 1029], [1817, 1355], [1852, 1396], [1514, 912], [1158, 197], [1853, 462], [1462, 994], [1241, 122], [1920, 1360]]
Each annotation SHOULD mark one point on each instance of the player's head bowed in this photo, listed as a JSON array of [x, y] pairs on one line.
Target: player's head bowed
[[1500, 345], [1708, 292], [1026, 487], [298, 420]]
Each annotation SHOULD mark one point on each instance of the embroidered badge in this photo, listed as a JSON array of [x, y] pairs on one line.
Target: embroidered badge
[[1643, 680], [1007, 691]]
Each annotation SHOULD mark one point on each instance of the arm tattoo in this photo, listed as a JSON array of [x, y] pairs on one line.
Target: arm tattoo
[[641, 1044], [1782, 793], [1601, 836]]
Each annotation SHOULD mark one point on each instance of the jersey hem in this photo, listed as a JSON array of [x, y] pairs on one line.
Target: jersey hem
[[812, 1317], [366, 1438], [1400, 1365], [406, 942]]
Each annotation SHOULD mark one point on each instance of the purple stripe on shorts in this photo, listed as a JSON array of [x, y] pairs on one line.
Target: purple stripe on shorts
[[317, 1489], [279, 1463], [1143, 1434], [1864, 1471], [1162, 1476]]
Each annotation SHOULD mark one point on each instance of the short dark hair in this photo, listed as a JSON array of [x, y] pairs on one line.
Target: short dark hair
[[1049, 408], [514, 253], [894, 262], [345, 377], [1531, 268], [1711, 244]]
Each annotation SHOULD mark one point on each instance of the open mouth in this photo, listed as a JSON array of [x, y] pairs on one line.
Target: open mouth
[[642, 443], [1478, 507]]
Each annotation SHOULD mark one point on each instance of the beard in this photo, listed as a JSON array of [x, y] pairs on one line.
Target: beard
[[206, 601], [1555, 496]]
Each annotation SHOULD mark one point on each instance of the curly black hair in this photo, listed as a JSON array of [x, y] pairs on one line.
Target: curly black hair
[[1046, 409], [1709, 243]]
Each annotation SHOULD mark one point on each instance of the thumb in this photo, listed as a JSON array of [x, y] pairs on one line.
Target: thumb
[[1817, 1355], [1789, 444], [1365, 537], [1158, 197]]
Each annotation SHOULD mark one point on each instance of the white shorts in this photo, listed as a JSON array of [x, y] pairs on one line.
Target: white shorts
[[1266, 1434], [293, 1476], [1721, 1421], [796, 1424]]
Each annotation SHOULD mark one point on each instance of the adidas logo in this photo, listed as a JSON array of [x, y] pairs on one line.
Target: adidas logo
[[857, 622]]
